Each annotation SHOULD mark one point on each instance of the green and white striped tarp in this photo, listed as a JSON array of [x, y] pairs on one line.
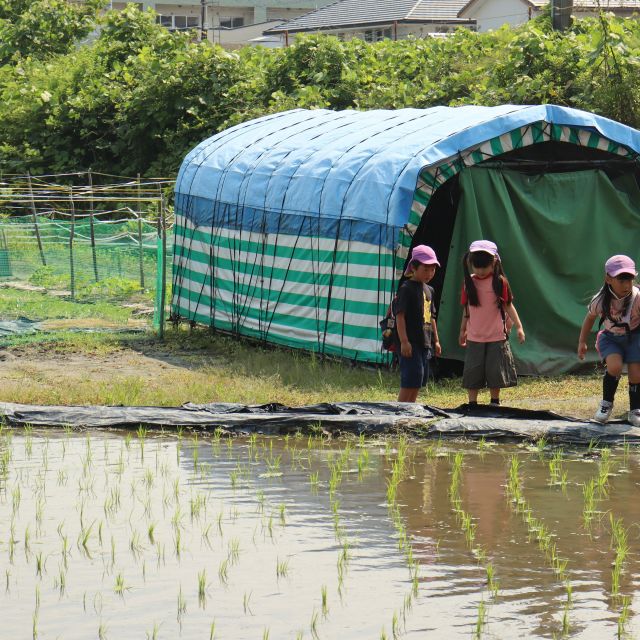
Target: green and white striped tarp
[[313, 293]]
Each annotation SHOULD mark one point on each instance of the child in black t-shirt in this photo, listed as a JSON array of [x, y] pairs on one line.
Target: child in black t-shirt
[[416, 323]]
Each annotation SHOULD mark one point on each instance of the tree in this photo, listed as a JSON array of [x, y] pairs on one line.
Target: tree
[[43, 28]]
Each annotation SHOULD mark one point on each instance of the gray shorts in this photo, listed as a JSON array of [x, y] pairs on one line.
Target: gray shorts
[[489, 364]]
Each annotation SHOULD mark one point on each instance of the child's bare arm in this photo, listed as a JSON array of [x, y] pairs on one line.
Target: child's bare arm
[[585, 330], [515, 318], [436, 339], [462, 338], [405, 345]]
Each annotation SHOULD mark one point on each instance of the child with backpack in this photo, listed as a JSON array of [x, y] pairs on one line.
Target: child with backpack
[[416, 323], [617, 304], [486, 321]]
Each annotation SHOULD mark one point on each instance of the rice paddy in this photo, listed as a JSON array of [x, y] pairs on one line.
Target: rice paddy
[[114, 534]]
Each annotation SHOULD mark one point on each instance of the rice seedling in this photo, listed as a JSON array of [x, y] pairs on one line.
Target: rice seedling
[[282, 568], [27, 543], [40, 563], [325, 606], [589, 501], [102, 631], [182, 605], [202, 588], [481, 620], [34, 625], [566, 623], [120, 587], [313, 625], [151, 532], [223, 571], [265, 634], [245, 602], [177, 541], [621, 546], [623, 618], [212, 630], [142, 434], [395, 626], [234, 551], [153, 635], [492, 583]]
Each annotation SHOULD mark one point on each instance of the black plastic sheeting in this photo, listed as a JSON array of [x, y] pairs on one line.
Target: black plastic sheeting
[[371, 418]]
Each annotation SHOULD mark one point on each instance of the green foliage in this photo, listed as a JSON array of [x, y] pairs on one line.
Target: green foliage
[[138, 98], [42, 28]]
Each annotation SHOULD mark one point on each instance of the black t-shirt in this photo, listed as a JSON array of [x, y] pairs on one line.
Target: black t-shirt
[[415, 300]]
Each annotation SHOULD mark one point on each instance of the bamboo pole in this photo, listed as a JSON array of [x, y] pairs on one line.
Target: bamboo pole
[[91, 229], [35, 220], [140, 250], [72, 275], [163, 288]]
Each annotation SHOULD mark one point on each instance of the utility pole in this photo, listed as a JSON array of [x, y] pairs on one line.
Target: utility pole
[[203, 16], [561, 14]]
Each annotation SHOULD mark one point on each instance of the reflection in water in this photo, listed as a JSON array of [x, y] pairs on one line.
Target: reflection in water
[[118, 537]]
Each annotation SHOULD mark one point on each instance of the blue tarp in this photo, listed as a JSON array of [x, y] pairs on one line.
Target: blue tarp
[[357, 165]]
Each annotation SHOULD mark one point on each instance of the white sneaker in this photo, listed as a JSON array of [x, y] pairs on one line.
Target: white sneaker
[[604, 411], [634, 418]]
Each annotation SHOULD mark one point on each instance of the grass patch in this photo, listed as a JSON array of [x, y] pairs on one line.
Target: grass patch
[[40, 306], [106, 367], [197, 366]]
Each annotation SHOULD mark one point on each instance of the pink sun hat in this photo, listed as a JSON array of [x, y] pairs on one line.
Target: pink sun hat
[[485, 246], [616, 265], [423, 254]]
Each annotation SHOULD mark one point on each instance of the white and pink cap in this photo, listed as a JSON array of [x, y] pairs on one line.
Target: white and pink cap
[[423, 254], [616, 265], [486, 246]]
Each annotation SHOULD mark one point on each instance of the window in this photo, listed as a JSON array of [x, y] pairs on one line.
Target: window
[[375, 35], [231, 23], [179, 23]]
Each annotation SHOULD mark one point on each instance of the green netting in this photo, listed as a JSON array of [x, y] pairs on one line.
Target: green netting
[[119, 264], [554, 233]]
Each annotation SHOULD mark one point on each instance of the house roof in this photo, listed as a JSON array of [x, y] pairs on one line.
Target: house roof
[[351, 13], [611, 5]]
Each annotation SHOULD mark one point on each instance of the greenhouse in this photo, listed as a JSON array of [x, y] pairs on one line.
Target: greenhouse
[[294, 228]]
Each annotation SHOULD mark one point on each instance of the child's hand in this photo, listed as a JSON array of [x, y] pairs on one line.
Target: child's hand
[[462, 339], [405, 349], [582, 350], [437, 348], [520, 335]]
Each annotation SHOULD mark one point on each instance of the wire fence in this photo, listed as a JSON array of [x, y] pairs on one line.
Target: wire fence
[[88, 238]]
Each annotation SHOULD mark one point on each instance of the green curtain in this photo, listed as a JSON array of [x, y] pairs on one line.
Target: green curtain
[[554, 232]]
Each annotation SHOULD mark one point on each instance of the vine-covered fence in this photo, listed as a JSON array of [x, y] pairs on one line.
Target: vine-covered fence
[[88, 237]]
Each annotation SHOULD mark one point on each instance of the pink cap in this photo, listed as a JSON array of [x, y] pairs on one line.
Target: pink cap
[[486, 246], [616, 265], [423, 254]]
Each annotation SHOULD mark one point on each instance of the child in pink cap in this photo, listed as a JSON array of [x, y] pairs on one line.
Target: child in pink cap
[[416, 322], [487, 318], [617, 305]]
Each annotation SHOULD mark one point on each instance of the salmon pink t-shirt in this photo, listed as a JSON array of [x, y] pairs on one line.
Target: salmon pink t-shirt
[[485, 323]]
